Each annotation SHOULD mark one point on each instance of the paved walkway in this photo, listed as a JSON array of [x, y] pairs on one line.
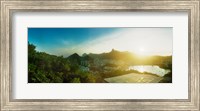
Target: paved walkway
[[134, 78]]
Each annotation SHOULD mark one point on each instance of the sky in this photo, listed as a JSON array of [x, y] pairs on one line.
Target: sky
[[66, 41]]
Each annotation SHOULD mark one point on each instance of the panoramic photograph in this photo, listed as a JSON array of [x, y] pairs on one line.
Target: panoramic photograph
[[100, 55]]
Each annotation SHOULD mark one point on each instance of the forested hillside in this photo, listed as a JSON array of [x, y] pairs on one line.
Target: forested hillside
[[45, 68]]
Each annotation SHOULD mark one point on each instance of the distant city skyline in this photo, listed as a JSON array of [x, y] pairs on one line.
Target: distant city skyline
[[66, 41]]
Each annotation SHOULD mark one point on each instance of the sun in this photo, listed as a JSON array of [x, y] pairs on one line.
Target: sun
[[141, 51]]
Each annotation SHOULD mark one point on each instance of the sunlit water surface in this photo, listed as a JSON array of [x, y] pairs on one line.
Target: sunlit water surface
[[150, 69]]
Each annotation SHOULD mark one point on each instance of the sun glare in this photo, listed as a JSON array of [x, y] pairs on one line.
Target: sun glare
[[131, 40], [141, 51]]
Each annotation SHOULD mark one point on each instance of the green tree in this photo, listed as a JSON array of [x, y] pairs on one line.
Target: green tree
[[75, 80]]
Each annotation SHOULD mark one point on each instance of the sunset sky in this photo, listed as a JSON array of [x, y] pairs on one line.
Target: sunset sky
[[66, 41]]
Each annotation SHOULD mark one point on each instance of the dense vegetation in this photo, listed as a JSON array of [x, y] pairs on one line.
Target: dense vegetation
[[45, 68], [89, 68]]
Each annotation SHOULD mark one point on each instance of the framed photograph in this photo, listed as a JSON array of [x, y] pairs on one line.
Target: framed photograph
[[99, 55]]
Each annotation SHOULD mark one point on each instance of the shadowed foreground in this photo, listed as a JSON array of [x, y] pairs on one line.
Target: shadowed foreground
[[134, 78]]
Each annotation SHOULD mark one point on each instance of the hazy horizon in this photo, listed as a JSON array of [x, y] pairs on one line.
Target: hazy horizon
[[67, 41]]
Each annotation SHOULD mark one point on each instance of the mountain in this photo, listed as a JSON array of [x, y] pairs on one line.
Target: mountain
[[114, 55], [125, 56], [74, 58]]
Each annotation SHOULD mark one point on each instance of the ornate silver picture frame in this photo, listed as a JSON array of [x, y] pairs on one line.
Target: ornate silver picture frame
[[9, 7]]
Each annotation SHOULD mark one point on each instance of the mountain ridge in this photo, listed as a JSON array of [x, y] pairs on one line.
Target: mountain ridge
[[125, 56]]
